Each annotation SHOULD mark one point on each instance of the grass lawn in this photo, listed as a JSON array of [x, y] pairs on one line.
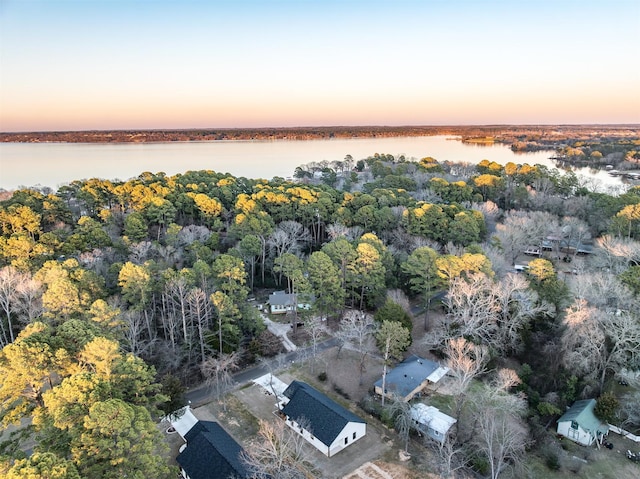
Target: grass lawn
[[587, 462]]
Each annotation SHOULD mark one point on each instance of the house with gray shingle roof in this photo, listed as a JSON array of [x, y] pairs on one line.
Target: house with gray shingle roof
[[581, 425], [210, 453], [410, 377], [281, 302], [322, 422]]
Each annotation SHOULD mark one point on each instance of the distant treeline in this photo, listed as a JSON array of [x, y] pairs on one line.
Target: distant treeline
[[545, 134]]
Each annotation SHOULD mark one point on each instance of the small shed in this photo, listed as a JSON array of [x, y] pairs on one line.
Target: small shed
[[581, 425], [431, 422]]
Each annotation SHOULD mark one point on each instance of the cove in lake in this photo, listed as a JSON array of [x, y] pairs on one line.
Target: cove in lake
[[56, 164]]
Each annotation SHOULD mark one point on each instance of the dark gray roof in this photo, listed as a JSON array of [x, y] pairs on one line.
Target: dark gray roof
[[408, 375], [211, 453], [280, 298], [321, 416]]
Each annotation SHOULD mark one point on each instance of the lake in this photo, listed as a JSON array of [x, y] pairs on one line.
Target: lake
[[56, 164]]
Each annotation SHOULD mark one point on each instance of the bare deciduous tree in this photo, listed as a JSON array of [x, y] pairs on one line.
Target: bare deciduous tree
[[524, 228], [200, 315], [217, 373], [499, 431], [604, 291], [357, 330], [176, 291], [473, 308], [615, 254], [400, 412], [277, 452], [449, 456], [502, 438], [492, 312], [595, 342], [139, 252], [316, 328], [337, 230], [465, 361], [289, 237], [20, 295], [518, 304], [134, 326], [630, 410]]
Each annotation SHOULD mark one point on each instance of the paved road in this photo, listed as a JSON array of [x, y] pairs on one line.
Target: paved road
[[203, 394]]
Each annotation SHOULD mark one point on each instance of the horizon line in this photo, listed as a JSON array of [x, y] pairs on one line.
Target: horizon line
[[265, 127]]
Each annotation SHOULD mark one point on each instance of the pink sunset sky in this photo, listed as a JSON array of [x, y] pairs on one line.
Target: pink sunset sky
[[72, 65]]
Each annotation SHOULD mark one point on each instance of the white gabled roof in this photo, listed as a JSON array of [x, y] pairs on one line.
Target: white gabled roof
[[432, 417], [271, 383], [438, 374], [185, 422]]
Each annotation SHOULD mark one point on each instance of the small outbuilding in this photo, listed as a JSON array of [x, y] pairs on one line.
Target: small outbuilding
[[411, 377], [431, 422], [322, 422], [581, 425]]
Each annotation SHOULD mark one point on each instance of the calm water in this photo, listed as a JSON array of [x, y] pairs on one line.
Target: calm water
[[55, 164]]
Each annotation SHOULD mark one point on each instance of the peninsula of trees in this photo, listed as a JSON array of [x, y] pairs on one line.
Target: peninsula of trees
[[115, 295]]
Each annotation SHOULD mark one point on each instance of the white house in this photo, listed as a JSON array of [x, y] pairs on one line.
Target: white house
[[281, 302], [322, 422], [581, 425], [431, 421]]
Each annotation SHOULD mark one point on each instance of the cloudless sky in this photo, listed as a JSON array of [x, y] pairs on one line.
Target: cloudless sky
[[111, 64]]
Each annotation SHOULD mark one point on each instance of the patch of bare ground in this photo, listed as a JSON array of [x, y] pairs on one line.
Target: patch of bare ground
[[386, 470]]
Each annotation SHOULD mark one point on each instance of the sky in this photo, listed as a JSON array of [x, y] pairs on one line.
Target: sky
[[150, 64]]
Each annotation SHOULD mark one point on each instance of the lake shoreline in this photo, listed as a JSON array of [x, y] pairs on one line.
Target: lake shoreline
[[53, 164]]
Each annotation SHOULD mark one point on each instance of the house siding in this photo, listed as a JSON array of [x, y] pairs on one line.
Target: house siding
[[321, 421], [360, 429], [587, 428], [577, 435]]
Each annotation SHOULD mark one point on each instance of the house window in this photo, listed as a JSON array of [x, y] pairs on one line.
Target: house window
[[354, 436], [346, 440], [574, 425]]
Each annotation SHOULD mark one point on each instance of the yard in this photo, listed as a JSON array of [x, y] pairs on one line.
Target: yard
[[586, 462]]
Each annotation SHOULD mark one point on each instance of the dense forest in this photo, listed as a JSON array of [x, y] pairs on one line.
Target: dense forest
[[117, 295]]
